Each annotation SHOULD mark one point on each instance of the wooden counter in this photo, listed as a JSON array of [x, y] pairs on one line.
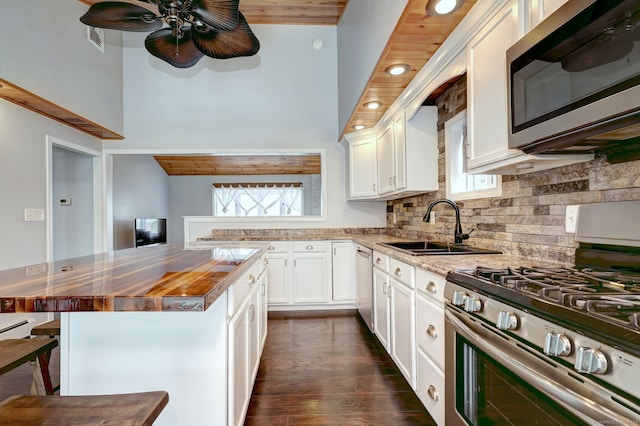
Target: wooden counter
[[161, 278]]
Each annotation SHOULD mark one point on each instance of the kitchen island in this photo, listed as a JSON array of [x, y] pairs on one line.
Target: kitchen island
[[154, 318]]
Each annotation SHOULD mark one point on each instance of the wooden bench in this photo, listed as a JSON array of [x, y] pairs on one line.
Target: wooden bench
[[124, 409], [16, 352], [50, 328]]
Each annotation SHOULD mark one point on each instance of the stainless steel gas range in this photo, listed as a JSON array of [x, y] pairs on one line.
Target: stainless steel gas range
[[547, 345]]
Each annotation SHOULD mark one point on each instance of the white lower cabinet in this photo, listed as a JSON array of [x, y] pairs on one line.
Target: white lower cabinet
[[430, 387], [402, 320], [381, 307], [245, 342], [310, 275]]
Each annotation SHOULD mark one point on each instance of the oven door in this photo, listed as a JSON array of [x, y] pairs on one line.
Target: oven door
[[492, 379]]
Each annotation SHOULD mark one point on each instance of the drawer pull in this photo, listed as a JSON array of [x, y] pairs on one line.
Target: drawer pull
[[271, 248], [309, 247], [265, 261], [433, 393], [378, 261], [398, 272], [432, 287], [252, 279], [431, 331]]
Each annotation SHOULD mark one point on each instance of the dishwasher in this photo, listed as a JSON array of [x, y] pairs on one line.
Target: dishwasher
[[364, 282]]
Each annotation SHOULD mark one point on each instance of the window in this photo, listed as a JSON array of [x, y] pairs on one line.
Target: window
[[266, 199], [461, 185]]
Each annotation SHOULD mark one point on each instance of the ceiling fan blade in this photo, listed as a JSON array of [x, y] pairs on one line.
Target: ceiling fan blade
[[226, 44], [179, 52], [117, 15], [587, 57], [219, 14]]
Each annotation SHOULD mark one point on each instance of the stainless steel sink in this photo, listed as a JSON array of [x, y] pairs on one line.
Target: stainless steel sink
[[424, 248]]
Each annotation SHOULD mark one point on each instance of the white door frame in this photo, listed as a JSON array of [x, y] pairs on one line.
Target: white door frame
[[99, 210]]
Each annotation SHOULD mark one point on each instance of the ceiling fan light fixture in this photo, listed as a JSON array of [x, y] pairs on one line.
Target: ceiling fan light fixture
[[443, 7], [373, 105], [397, 69]]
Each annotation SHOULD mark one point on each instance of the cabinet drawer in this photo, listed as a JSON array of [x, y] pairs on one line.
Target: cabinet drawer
[[239, 291], [430, 388], [430, 284], [309, 246], [278, 247], [380, 261], [430, 329], [402, 272]]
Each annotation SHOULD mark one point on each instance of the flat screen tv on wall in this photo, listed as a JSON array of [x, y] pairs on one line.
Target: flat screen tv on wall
[[150, 231]]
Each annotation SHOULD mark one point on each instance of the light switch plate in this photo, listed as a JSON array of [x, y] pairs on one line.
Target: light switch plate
[[34, 215], [571, 219]]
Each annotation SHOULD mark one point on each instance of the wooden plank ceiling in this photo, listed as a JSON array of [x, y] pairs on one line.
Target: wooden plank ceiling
[[211, 165]]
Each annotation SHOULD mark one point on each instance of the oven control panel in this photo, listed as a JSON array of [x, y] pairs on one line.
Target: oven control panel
[[583, 354]]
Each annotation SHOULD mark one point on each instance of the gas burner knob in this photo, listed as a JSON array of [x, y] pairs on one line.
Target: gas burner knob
[[590, 361], [556, 344], [507, 321], [472, 304], [459, 298]]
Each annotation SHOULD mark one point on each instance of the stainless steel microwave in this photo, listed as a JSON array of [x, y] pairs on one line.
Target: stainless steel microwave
[[574, 81]]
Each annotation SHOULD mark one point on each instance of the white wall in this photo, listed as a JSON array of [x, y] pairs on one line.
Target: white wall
[[363, 32], [73, 223], [140, 189], [284, 98], [44, 50]]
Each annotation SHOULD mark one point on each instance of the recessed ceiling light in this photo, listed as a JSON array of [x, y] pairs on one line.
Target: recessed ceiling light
[[443, 7], [373, 105], [358, 127], [397, 69]]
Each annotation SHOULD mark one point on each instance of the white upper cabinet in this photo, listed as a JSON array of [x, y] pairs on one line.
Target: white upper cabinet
[[386, 167], [487, 98], [362, 172], [541, 9]]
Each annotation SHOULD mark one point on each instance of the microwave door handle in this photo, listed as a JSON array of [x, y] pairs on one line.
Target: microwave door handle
[[578, 405]]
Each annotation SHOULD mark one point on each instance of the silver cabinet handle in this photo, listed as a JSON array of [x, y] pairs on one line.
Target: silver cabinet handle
[[309, 247], [384, 288], [432, 287], [252, 313], [271, 248], [433, 393], [378, 261], [431, 331], [252, 279], [398, 272]]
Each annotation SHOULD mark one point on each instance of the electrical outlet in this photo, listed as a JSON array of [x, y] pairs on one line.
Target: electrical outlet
[[571, 219], [34, 215], [432, 218]]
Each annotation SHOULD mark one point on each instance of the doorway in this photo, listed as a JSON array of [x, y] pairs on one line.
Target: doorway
[[74, 226]]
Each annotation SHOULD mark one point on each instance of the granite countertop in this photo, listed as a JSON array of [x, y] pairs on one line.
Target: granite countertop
[[440, 264], [161, 278]]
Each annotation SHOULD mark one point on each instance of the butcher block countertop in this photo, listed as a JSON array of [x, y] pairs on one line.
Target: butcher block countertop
[[160, 278]]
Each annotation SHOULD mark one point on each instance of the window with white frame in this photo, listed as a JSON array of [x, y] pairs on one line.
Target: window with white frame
[[264, 199], [460, 184]]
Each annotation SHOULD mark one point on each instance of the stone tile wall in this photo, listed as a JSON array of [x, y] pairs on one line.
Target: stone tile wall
[[528, 219]]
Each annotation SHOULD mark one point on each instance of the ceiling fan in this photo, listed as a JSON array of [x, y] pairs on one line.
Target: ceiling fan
[[196, 28]]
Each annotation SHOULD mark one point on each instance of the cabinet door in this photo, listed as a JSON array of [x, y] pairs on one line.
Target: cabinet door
[[541, 9], [362, 169], [310, 278], [239, 356], [255, 339], [381, 293], [385, 154], [278, 279], [402, 319], [342, 271], [263, 291], [400, 148], [487, 89]]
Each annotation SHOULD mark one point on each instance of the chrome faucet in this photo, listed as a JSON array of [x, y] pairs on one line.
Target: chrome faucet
[[458, 234]]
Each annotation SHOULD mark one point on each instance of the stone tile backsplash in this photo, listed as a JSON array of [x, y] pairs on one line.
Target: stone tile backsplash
[[528, 219]]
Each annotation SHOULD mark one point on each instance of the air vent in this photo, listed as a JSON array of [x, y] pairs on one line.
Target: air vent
[[96, 37]]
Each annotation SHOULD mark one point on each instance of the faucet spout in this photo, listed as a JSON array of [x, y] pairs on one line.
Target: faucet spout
[[458, 234]]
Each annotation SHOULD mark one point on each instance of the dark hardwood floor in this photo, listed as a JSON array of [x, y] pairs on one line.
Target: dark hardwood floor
[[328, 369]]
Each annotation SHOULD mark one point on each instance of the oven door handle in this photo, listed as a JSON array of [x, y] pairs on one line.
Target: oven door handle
[[582, 407]]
